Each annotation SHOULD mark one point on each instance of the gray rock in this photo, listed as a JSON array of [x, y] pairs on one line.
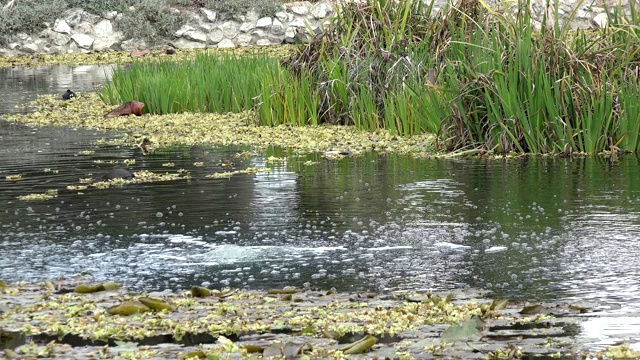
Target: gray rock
[[102, 44], [230, 29], [582, 14], [321, 10], [211, 16], [195, 36], [103, 29], [110, 15], [264, 22], [44, 34], [193, 17], [133, 44], [72, 47], [59, 39], [283, 16], [29, 48], [83, 41], [73, 16], [300, 7], [23, 37], [90, 18], [277, 27], [83, 28], [58, 50], [46, 48], [247, 26], [6, 52], [215, 36], [263, 42], [290, 32], [13, 46], [601, 20], [252, 16], [183, 30], [244, 40], [226, 44], [274, 39], [183, 43], [208, 27], [298, 22]]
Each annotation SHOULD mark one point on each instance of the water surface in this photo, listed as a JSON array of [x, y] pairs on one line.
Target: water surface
[[535, 229], [21, 84]]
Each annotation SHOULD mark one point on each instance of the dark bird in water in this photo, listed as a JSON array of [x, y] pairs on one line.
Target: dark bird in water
[[118, 174], [68, 95]]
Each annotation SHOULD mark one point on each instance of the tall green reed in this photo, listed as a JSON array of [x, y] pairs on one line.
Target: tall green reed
[[209, 83]]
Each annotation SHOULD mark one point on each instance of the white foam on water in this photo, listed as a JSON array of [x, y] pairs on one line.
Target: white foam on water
[[321, 249], [177, 238], [495, 249], [447, 247], [386, 248]]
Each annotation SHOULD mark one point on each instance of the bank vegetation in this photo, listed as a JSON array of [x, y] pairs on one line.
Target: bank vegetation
[[477, 77]]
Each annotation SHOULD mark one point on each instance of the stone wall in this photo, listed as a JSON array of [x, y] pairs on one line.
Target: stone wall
[[79, 31]]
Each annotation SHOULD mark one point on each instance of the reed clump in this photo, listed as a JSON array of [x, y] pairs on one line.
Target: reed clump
[[207, 83], [475, 76]]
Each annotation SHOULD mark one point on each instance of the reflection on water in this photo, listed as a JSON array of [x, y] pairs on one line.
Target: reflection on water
[[19, 85], [545, 229], [522, 228]]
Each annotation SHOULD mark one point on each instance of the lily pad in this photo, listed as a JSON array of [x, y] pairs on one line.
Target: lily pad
[[252, 349], [360, 346], [127, 308], [499, 304], [535, 310], [284, 291], [155, 304], [91, 288], [198, 291], [467, 331]]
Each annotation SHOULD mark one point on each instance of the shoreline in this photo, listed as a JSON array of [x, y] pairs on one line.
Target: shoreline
[[161, 131]]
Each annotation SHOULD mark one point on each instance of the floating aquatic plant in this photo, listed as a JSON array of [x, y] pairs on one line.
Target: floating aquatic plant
[[49, 194]]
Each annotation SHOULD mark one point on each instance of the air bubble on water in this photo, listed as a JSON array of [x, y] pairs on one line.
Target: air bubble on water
[[159, 214]]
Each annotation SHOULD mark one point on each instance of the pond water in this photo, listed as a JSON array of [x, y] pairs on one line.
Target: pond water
[[536, 229], [19, 85]]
